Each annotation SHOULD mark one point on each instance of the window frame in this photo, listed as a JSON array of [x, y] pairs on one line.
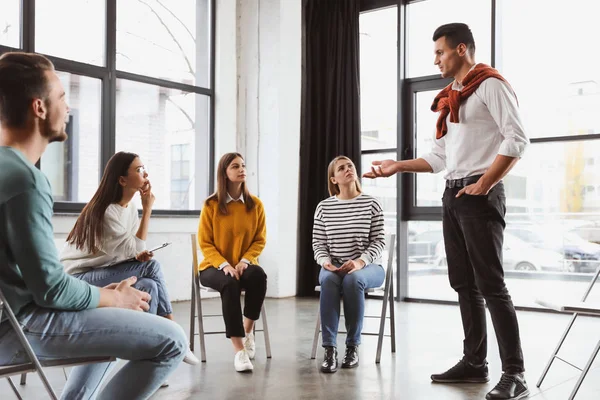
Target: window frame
[[108, 75], [406, 92]]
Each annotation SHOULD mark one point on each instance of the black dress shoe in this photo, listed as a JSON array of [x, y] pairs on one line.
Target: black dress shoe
[[463, 372], [510, 387], [351, 357], [330, 363]]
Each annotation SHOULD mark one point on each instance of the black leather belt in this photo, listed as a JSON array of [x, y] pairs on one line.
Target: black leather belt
[[461, 183]]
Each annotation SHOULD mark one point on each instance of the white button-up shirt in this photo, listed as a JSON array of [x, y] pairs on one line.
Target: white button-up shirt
[[230, 199], [490, 124]]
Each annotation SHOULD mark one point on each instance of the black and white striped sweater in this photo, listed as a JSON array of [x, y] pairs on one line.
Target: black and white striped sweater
[[348, 229]]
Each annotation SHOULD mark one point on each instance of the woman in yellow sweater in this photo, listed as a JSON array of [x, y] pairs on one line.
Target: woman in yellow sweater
[[232, 234]]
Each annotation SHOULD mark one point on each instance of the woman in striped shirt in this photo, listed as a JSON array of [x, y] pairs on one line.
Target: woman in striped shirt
[[348, 240]]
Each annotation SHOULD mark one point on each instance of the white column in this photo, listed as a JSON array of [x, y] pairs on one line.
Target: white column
[[225, 78], [269, 68]]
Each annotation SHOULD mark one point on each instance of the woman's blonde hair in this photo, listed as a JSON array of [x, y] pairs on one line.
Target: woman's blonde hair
[[334, 189]]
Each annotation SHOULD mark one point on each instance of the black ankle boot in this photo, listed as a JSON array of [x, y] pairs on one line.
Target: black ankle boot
[[351, 357], [330, 363]]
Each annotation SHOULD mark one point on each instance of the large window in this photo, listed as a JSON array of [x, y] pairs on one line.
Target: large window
[[429, 187], [573, 82], [138, 77], [10, 23], [150, 121], [424, 17], [378, 68], [379, 104], [167, 40], [552, 236], [378, 71], [73, 166], [59, 34]]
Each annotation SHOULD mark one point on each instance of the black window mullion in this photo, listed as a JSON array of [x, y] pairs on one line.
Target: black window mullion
[[28, 33], [380, 150], [28, 25], [413, 212], [6, 49], [108, 75], [109, 88], [212, 102], [370, 5], [401, 140], [567, 138], [494, 31], [162, 83], [78, 68]]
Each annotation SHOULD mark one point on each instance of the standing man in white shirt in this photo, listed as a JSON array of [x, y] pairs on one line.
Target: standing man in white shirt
[[479, 138]]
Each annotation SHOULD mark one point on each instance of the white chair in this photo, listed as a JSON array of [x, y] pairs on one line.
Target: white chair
[[576, 309], [196, 310], [35, 365], [388, 296]]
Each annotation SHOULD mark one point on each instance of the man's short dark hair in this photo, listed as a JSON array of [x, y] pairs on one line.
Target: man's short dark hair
[[22, 79], [456, 33]]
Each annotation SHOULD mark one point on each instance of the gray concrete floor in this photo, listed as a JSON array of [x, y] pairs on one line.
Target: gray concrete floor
[[429, 340]]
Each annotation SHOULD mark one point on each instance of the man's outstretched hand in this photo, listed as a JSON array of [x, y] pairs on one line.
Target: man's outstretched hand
[[382, 169]]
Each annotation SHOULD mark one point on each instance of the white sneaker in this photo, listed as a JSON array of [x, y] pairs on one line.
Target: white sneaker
[[164, 384], [242, 362], [190, 358], [250, 345]]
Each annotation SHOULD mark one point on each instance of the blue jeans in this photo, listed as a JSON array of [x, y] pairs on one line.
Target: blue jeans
[[352, 286], [154, 347], [150, 280]]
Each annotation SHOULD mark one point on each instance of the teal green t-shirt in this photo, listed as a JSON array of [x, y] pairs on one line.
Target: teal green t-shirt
[[30, 270]]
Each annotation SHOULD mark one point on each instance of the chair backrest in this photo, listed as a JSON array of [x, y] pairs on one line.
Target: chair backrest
[[391, 242], [194, 252], [195, 272], [389, 273]]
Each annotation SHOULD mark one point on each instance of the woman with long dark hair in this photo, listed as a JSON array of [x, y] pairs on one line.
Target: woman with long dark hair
[[109, 234], [232, 234]]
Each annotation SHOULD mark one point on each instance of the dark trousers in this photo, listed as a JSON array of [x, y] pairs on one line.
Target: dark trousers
[[473, 236], [253, 281]]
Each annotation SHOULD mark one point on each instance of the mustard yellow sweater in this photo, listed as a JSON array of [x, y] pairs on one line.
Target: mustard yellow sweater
[[232, 237]]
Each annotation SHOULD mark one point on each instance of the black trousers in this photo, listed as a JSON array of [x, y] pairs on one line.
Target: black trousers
[[253, 281], [473, 236]]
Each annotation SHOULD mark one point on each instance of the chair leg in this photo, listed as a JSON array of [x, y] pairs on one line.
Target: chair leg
[[193, 315], [34, 360], [392, 316], [28, 349], [14, 388], [313, 353], [584, 371], [200, 319], [265, 331], [65, 373], [384, 304], [556, 350]]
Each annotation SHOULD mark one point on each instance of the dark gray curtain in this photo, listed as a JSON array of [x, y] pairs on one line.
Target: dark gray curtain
[[330, 123]]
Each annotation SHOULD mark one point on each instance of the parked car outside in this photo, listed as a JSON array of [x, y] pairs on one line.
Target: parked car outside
[[519, 255]]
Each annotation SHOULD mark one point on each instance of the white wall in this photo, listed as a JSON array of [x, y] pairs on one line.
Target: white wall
[[175, 259], [258, 67], [268, 110], [225, 77]]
